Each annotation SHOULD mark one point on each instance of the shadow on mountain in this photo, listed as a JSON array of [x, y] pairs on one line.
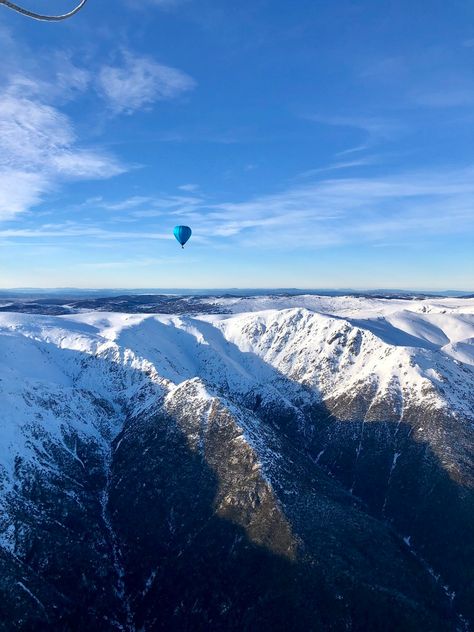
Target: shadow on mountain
[[167, 561], [186, 568], [400, 480], [395, 336]]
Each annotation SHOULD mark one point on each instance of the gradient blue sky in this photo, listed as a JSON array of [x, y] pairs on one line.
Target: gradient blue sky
[[307, 143]]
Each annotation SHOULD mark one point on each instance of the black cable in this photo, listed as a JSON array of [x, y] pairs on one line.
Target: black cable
[[39, 16]]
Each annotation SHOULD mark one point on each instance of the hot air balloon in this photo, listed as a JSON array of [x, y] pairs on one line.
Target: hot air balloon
[[182, 234]]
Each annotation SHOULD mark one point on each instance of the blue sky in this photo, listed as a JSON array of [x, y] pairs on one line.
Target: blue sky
[[308, 144]]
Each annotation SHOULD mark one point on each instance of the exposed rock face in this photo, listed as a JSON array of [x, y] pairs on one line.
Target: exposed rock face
[[276, 470]]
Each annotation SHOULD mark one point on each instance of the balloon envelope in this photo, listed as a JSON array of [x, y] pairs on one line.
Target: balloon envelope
[[182, 234]]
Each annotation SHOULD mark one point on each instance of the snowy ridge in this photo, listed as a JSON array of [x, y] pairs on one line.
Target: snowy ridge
[[334, 355], [101, 411], [424, 354]]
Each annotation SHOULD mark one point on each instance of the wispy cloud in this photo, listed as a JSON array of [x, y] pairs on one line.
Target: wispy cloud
[[60, 79], [39, 149], [71, 229], [374, 129], [374, 211], [139, 207], [133, 202], [373, 126], [348, 210], [338, 166], [138, 82], [19, 190]]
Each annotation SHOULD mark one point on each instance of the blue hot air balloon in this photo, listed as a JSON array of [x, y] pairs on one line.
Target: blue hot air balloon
[[182, 234]]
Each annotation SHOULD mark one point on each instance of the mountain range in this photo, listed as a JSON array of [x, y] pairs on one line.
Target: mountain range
[[293, 462]]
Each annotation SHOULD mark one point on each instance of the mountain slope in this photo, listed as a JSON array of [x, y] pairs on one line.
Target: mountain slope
[[238, 471]]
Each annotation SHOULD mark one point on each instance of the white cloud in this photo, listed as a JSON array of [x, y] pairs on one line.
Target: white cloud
[[347, 210], [133, 202], [19, 190], [373, 126], [373, 211], [86, 164], [338, 166], [22, 68], [375, 129], [83, 229], [39, 149], [147, 206], [30, 131], [139, 82], [331, 211]]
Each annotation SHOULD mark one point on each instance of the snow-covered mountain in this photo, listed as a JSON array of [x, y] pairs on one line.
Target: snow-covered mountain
[[294, 462]]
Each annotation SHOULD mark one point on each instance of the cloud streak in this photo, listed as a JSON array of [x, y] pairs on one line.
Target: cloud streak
[[39, 149], [330, 212], [39, 146], [71, 229], [139, 82], [348, 211]]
